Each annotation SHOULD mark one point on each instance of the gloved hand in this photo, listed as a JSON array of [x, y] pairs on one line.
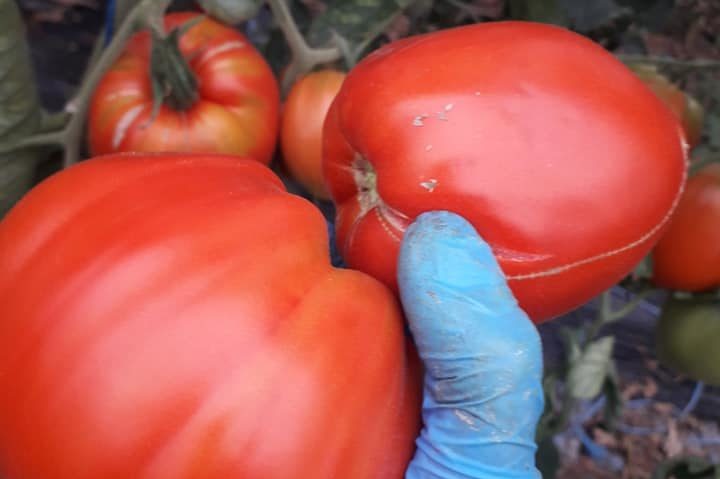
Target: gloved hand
[[482, 393]]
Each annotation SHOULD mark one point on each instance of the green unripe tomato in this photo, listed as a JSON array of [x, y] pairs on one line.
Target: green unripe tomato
[[688, 338]]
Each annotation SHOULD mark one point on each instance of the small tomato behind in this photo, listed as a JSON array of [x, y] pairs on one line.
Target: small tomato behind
[[301, 127], [688, 336], [687, 257]]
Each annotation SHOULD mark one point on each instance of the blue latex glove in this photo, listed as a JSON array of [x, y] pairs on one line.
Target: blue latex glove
[[483, 394]]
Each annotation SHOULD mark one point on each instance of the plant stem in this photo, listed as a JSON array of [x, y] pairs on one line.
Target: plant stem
[[56, 138], [698, 165], [304, 57], [671, 62], [606, 315], [142, 12], [694, 400]]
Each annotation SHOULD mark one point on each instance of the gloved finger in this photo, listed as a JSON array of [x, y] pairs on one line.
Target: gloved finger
[[483, 392]]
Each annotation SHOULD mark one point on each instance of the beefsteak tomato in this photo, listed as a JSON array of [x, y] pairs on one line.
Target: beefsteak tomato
[[177, 317], [562, 159], [234, 107], [687, 257], [301, 127]]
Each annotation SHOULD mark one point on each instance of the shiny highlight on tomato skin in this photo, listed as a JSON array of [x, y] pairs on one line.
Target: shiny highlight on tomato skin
[[238, 106]]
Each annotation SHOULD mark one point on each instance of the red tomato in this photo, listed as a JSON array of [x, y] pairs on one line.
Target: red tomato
[[237, 110], [687, 257], [169, 317], [556, 152], [301, 127]]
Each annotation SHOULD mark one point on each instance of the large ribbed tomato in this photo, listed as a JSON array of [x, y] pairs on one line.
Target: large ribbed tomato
[[177, 317], [687, 257], [234, 108], [564, 161]]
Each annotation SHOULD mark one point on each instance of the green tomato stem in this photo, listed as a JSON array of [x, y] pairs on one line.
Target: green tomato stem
[[304, 57], [143, 12], [174, 82]]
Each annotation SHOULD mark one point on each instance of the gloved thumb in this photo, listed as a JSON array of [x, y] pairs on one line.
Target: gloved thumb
[[482, 354]]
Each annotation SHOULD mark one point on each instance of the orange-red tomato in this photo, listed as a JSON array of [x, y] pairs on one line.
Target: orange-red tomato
[[687, 257], [301, 127], [237, 110], [562, 159], [176, 316]]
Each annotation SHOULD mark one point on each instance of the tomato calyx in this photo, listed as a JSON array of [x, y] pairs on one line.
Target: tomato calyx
[[173, 81], [366, 181], [365, 177]]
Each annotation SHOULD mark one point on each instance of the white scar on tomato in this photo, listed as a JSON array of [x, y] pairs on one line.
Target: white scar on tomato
[[222, 48], [631, 245]]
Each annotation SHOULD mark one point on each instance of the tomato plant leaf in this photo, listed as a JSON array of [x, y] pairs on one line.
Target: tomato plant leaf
[[20, 112], [547, 458], [545, 11], [589, 15], [613, 398], [571, 341], [357, 22], [589, 372], [689, 467]]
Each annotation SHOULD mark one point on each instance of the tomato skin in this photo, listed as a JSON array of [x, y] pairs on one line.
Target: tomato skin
[[176, 316], [301, 127], [237, 111], [687, 257], [539, 137]]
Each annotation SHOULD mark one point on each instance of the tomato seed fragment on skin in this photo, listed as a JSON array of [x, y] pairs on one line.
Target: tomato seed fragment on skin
[[429, 185]]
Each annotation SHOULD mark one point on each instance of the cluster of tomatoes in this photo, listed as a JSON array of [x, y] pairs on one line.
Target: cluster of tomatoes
[[171, 311], [686, 260]]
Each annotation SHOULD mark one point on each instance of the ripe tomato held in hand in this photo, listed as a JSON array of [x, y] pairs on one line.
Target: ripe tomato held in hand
[[687, 257], [301, 127], [562, 159], [176, 316], [235, 108]]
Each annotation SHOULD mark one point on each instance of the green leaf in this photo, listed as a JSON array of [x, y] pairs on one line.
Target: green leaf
[[613, 398], [547, 458], [544, 11], [589, 372], [357, 22], [686, 468], [587, 16], [20, 112], [571, 341]]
